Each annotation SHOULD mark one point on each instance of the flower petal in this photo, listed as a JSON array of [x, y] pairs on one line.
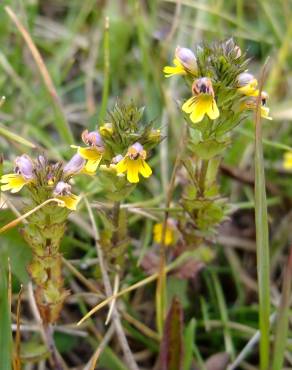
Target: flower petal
[[144, 168], [287, 163], [122, 165], [133, 171], [265, 113], [91, 165], [157, 234], [70, 201], [201, 105], [90, 153], [13, 182], [250, 89], [213, 111], [178, 69]]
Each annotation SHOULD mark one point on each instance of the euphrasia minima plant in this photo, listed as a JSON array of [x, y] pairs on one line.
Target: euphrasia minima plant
[[221, 94], [50, 193]]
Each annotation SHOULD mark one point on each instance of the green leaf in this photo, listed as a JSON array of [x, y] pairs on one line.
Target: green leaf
[[189, 339], [209, 148]]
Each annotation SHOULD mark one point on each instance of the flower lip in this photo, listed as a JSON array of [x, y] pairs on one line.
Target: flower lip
[[135, 151], [203, 86], [264, 97], [62, 188], [244, 79], [24, 166], [92, 138], [75, 165], [187, 58]]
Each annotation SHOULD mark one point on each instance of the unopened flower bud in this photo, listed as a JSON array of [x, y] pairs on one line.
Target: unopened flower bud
[[25, 167], [62, 188], [187, 58], [75, 165], [244, 79], [92, 138], [106, 130]]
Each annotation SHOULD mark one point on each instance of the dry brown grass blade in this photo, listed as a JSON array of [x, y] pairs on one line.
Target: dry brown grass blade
[[15, 222], [35, 53], [61, 123], [16, 356]]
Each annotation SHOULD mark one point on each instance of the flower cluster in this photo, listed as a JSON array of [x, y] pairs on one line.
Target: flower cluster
[[203, 70], [44, 180], [119, 148], [223, 93]]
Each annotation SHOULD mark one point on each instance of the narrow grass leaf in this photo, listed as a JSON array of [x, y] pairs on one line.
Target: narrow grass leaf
[[283, 318], [5, 321], [189, 339], [14, 137], [262, 238]]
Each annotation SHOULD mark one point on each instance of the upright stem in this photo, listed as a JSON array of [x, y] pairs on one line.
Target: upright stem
[[55, 357], [121, 336], [202, 176], [161, 294], [116, 217]]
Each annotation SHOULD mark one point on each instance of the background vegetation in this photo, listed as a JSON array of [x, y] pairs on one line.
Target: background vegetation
[[92, 61]]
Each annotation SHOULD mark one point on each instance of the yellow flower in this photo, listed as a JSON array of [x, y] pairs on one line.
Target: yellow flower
[[184, 62], [62, 191], [198, 106], [134, 163], [287, 163], [23, 174], [169, 233], [265, 113], [70, 201], [177, 69], [247, 84], [92, 154], [13, 182], [203, 101], [252, 102]]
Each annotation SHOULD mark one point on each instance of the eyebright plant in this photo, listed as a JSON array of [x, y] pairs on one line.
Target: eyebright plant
[[117, 153], [223, 93], [46, 226]]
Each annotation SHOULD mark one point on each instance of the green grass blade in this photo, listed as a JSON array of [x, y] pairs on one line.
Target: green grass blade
[[5, 321], [223, 313], [283, 318], [106, 70], [262, 241]]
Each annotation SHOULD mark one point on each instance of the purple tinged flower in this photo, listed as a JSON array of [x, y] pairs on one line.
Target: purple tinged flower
[[245, 78], [42, 161], [117, 159], [138, 147], [187, 58], [92, 138], [24, 166], [75, 165], [62, 188]]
